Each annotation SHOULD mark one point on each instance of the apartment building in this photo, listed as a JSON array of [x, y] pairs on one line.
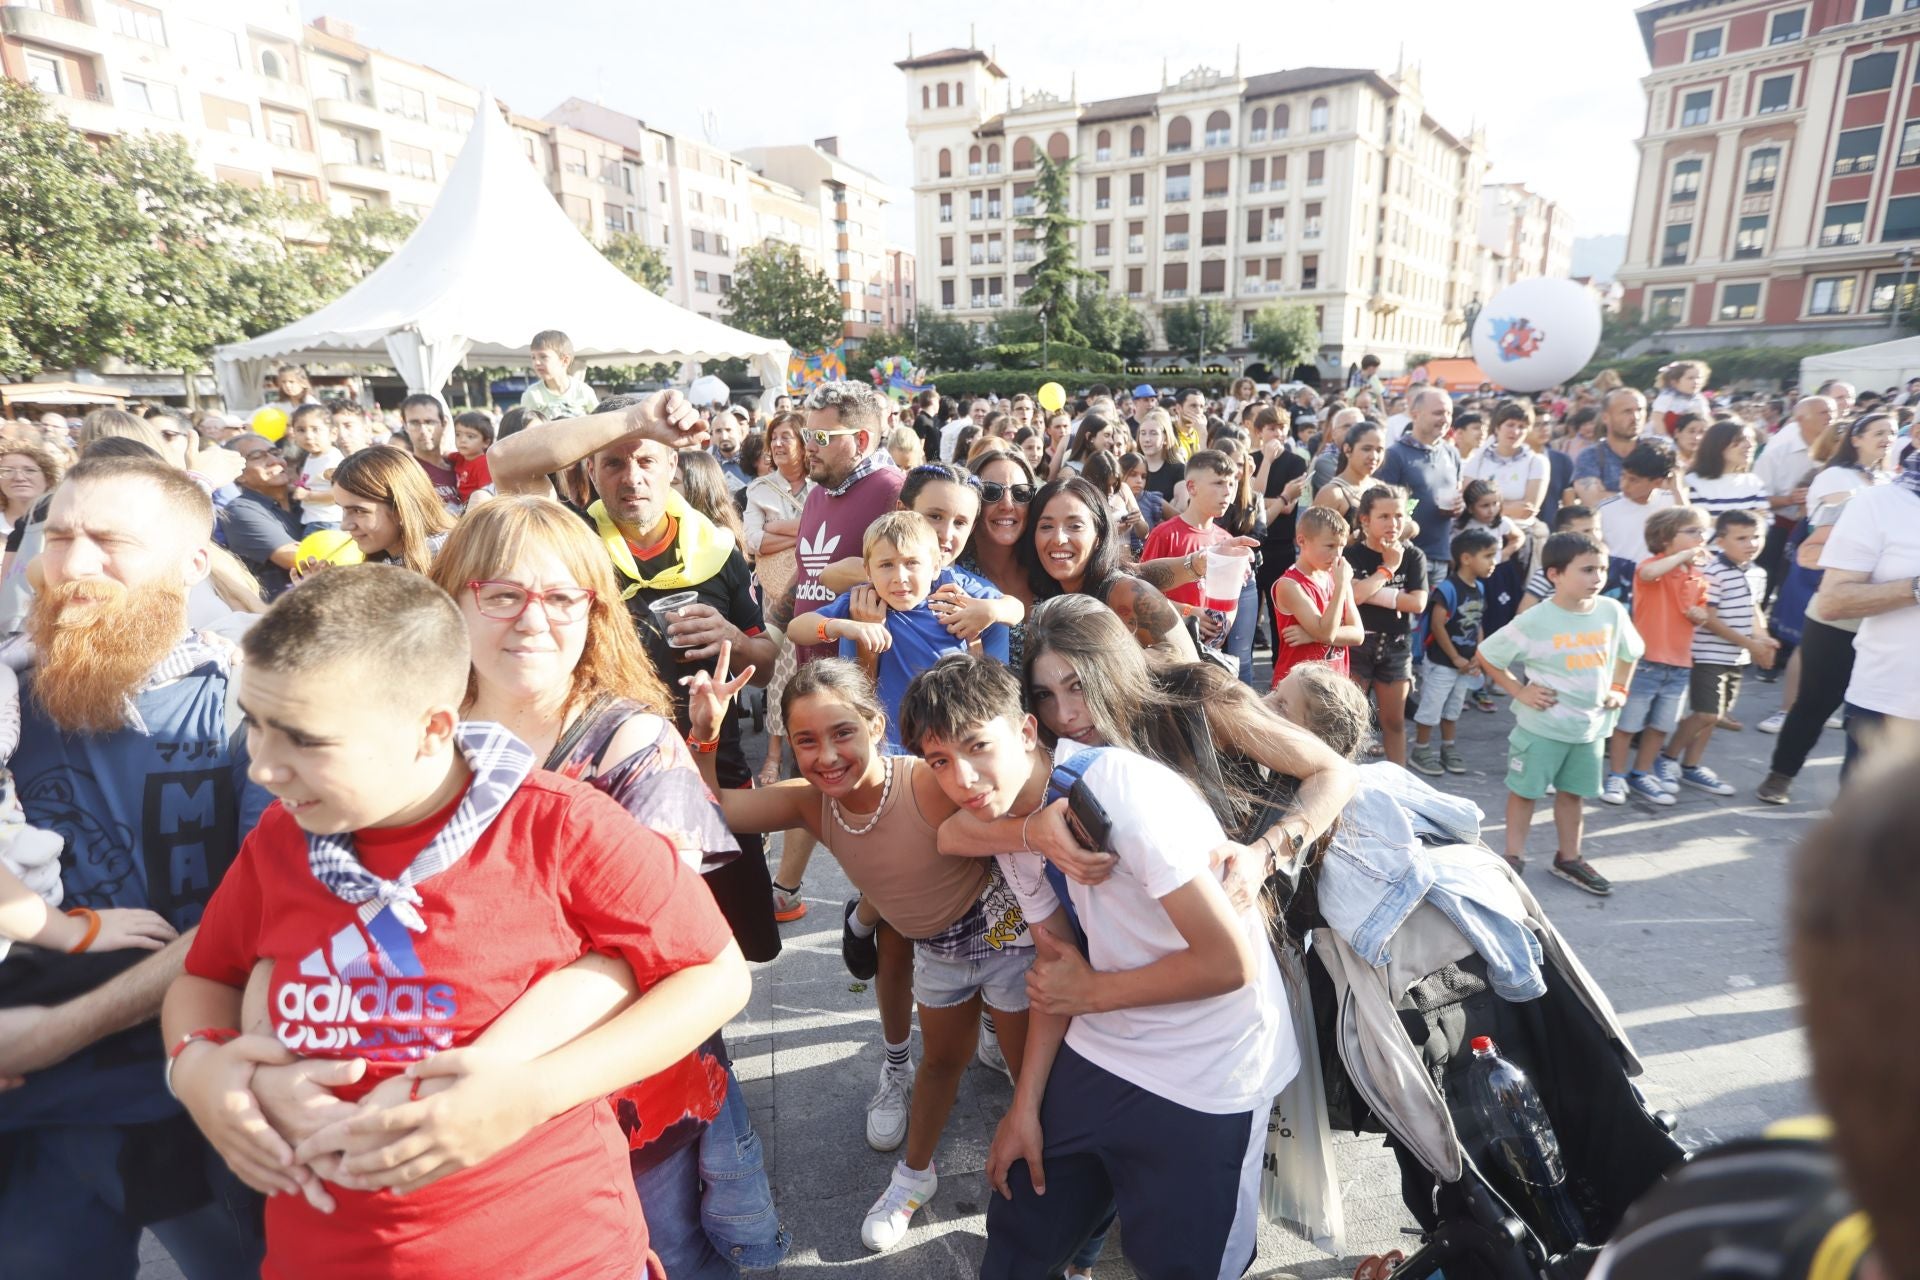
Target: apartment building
[[1328, 187], [1526, 234], [1778, 195]]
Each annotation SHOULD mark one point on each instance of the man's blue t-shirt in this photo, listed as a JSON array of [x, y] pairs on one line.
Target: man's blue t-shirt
[[1599, 462], [1425, 471], [920, 639]]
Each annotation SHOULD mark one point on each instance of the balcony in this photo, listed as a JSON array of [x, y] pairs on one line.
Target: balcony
[[357, 112], [63, 32], [1103, 154], [995, 253], [977, 258], [996, 300], [280, 92], [1219, 138], [1023, 252], [1135, 201], [946, 213], [1257, 135], [1176, 242], [1136, 244], [1105, 202], [370, 174], [973, 169], [993, 209], [1023, 206], [1179, 190], [1256, 186], [89, 111], [993, 166]]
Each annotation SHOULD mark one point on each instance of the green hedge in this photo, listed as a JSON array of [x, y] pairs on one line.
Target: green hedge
[[1729, 364], [1005, 382]]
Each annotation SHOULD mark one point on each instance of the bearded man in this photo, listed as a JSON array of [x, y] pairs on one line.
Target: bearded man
[[128, 750]]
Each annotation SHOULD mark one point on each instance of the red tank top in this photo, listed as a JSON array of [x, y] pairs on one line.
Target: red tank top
[[1288, 656]]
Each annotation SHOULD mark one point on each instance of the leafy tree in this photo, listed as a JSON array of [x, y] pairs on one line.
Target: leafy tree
[[943, 343], [1015, 325], [875, 347], [1620, 330], [777, 295], [629, 251], [357, 243], [1195, 326], [1287, 335], [1057, 276], [1111, 323]]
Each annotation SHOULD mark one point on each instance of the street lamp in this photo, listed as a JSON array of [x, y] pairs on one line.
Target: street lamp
[[1201, 358], [1906, 265]]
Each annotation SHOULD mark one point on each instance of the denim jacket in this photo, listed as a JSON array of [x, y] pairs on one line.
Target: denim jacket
[[1436, 816]]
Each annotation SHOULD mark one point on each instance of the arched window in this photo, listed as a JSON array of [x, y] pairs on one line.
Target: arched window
[[1317, 116], [270, 65], [1219, 129], [946, 163], [1103, 145], [993, 157], [940, 94], [1057, 148], [1137, 142], [1022, 154], [1257, 130], [973, 158], [926, 96], [1282, 116], [959, 93], [1179, 135]]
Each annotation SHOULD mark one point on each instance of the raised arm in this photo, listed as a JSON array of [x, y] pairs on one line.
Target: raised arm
[[522, 462]]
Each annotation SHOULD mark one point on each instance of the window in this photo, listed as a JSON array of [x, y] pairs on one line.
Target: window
[[1686, 181], [1763, 168], [149, 96], [946, 251], [1136, 282], [1833, 296], [942, 95], [1696, 108], [138, 22], [1740, 302], [1311, 229], [1213, 228], [340, 147], [1137, 142], [1255, 218], [1910, 143], [217, 45], [1179, 182], [945, 163], [574, 160], [1903, 219], [283, 128], [701, 283], [1895, 286], [227, 117], [1179, 135], [1279, 176], [1281, 115], [1317, 116], [1750, 240], [973, 162], [1023, 152], [976, 205], [1706, 44], [946, 295], [1213, 276], [415, 161], [926, 96], [1103, 193], [1176, 231], [402, 101], [1843, 224], [1173, 280], [1215, 179], [1136, 188], [46, 74], [946, 207], [959, 93], [335, 81], [1103, 145], [1057, 148], [699, 241], [1776, 94], [1875, 9], [1136, 237], [1023, 201], [1257, 175], [1257, 130], [1872, 73], [1674, 249], [1309, 271], [1276, 226], [1219, 130], [1787, 27], [1857, 151], [1666, 306], [993, 202], [993, 157], [270, 65], [1316, 168], [1103, 240]]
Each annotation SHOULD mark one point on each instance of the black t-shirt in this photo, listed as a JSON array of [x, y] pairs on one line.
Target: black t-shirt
[[1410, 576], [927, 427], [1278, 546], [1167, 478]]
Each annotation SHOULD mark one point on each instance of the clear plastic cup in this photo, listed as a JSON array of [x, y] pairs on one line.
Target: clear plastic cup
[[666, 606], [1227, 569]]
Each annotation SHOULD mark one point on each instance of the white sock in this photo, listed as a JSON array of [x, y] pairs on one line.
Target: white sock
[[897, 1053], [861, 930]]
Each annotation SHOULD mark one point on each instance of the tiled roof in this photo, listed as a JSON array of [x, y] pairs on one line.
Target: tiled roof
[[947, 57]]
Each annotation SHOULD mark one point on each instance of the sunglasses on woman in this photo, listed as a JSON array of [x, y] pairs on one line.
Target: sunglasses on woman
[[508, 600], [993, 491]]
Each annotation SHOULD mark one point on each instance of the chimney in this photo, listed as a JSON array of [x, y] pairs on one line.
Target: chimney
[[829, 145], [338, 27]]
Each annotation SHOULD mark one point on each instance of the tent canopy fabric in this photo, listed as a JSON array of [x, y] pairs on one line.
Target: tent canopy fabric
[[1872, 368], [492, 264], [1457, 372]]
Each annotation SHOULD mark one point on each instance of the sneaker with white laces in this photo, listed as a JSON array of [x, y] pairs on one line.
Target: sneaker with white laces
[[886, 1223], [1666, 771], [1698, 775], [1773, 722], [887, 1109], [1648, 788], [1614, 790], [990, 1055]]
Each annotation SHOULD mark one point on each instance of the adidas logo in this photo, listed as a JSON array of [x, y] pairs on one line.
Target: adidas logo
[[818, 554], [364, 990]]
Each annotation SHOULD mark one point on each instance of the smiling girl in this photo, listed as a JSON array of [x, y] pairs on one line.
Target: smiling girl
[[1069, 547]]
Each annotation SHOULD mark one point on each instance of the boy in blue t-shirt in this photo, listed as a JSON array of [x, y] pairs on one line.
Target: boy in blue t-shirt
[[902, 556], [1453, 638]]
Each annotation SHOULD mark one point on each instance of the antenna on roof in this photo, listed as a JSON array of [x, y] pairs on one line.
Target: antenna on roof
[[709, 126], [1073, 87], [972, 40], [1236, 61], [909, 44]]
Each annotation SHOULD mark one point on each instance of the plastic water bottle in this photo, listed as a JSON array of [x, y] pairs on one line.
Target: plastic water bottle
[[1519, 1152]]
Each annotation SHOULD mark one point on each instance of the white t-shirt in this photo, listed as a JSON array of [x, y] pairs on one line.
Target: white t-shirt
[[1733, 491], [1783, 465], [1397, 426], [1221, 1055], [317, 473], [1623, 524], [1879, 535], [1511, 476], [1833, 481]]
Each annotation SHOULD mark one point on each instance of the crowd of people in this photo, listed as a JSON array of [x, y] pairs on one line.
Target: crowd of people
[[490, 676]]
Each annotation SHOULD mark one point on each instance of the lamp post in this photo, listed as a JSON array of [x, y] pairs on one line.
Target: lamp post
[[1201, 357], [1046, 331], [1899, 293]]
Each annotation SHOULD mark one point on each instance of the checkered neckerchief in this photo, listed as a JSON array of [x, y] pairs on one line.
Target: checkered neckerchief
[[500, 763]]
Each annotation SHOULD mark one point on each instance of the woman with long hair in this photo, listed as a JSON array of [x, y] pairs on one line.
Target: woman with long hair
[[704, 485], [1095, 434], [1688, 430], [1031, 443], [1721, 477], [556, 661], [389, 508], [1160, 446], [1069, 547], [1362, 450]]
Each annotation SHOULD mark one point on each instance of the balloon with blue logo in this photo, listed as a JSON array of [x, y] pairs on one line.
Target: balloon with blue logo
[[1537, 334]]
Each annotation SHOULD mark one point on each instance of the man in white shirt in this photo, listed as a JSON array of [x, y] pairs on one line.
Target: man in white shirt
[[1783, 466], [1872, 564]]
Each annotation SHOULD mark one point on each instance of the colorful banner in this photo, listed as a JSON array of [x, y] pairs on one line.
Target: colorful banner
[[808, 369], [895, 376]]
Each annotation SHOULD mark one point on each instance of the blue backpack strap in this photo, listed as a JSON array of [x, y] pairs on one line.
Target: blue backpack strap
[[1059, 783]]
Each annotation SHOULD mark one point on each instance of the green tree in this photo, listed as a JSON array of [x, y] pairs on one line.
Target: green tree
[[1621, 329], [943, 343], [629, 251], [1195, 327], [777, 295], [356, 243], [1058, 275], [1111, 323], [875, 347], [1286, 335]]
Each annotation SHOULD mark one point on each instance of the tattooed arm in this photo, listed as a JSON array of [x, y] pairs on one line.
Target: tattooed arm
[[1151, 617]]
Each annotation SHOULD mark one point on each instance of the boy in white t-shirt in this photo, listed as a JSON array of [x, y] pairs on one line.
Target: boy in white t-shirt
[[1175, 1019], [311, 431]]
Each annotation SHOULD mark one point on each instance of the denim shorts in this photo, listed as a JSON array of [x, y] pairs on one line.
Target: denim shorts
[[1443, 694], [1000, 978], [1655, 698]]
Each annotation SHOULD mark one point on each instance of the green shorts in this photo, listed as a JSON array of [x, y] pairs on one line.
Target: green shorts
[[1534, 763]]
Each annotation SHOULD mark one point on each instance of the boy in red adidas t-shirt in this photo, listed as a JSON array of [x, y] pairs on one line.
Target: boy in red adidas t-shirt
[[415, 879]]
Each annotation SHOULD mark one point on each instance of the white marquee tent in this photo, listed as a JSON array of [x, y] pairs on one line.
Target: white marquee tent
[[1874, 368], [493, 263]]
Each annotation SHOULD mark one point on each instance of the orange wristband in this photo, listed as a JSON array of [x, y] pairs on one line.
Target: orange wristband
[[92, 918], [1620, 688], [823, 631]]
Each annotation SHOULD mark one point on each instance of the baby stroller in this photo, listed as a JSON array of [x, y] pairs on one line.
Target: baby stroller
[[1402, 977]]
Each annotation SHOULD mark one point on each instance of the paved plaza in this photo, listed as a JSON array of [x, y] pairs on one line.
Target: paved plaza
[[1689, 948]]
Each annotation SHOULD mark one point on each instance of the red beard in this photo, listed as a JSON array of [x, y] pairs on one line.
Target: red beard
[[95, 643]]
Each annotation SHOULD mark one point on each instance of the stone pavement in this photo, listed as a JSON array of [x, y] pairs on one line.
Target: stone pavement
[[1689, 948]]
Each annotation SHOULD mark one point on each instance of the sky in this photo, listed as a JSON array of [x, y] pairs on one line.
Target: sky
[[1556, 84]]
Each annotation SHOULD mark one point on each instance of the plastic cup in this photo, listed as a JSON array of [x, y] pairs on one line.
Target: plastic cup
[[666, 606], [1226, 574]]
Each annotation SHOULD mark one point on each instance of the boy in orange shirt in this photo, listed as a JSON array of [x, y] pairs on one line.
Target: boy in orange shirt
[[1669, 601]]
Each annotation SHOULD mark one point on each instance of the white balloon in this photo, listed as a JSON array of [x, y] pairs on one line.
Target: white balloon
[[1536, 334]]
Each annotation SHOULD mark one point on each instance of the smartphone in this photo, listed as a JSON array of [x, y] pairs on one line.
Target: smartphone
[[1089, 820]]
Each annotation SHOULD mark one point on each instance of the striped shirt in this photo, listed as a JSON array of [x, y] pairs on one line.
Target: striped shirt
[[1730, 596], [1734, 491]]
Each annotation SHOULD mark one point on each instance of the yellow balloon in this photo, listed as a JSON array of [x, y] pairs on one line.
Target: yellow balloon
[[324, 547], [1052, 396], [270, 422]]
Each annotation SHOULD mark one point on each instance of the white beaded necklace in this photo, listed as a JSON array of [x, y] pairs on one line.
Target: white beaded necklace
[[886, 789]]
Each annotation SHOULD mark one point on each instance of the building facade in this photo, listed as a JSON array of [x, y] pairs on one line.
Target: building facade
[[1327, 187], [1526, 235], [1778, 194]]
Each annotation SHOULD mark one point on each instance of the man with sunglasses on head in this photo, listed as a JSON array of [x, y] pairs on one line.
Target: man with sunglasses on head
[[261, 524], [855, 483]]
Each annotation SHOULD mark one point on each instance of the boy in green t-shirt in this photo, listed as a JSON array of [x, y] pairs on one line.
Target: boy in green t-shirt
[[1580, 650], [556, 395]]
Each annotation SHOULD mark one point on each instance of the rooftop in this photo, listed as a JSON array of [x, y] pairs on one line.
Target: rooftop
[[950, 57]]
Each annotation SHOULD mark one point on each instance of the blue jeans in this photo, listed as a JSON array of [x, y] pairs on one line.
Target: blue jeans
[[1240, 636], [708, 1206], [62, 1213]]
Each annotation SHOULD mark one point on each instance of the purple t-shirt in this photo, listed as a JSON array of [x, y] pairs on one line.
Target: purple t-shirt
[[831, 529], [446, 485]]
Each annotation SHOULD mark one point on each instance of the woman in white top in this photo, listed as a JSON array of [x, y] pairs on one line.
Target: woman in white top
[[1507, 464], [1722, 477]]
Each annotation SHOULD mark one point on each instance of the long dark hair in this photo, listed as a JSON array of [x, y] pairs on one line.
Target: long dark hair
[[1103, 564], [1090, 426], [1710, 459], [1847, 452]]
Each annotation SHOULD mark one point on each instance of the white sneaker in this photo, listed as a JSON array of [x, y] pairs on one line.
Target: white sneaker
[[886, 1223], [887, 1109], [1614, 789], [990, 1055], [1837, 721], [1772, 723]]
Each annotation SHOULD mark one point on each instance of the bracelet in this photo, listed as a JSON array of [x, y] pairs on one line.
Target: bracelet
[[704, 748], [92, 918], [211, 1035], [823, 630], [1189, 562], [1620, 688]]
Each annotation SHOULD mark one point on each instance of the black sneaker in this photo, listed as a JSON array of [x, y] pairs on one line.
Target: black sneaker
[[1581, 875], [860, 955]]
